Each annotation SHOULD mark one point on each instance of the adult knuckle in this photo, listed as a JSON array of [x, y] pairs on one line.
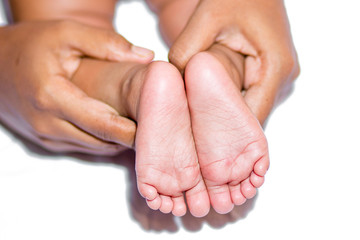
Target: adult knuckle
[[172, 55], [41, 101], [176, 57], [109, 42], [116, 40], [291, 67], [43, 98], [109, 128], [286, 64]]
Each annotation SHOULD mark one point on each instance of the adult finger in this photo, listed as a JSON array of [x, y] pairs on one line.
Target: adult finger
[[59, 130], [103, 43], [90, 115], [267, 85], [260, 99], [193, 39], [102, 121]]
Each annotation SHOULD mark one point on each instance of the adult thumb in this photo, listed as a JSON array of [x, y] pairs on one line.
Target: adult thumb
[[197, 36], [106, 44]]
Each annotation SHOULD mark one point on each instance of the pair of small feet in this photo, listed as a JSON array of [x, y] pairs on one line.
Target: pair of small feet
[[202, 144]]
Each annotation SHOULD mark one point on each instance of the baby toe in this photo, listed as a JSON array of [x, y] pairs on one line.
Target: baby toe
[[166, 204], [256, 181], [179, 208], [220, 199], [155, 203], [247, 189], [236, 196]]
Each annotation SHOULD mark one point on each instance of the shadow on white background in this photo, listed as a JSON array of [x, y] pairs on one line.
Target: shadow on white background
[[139, 211]]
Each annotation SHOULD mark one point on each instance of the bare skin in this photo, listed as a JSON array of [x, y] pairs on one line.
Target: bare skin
[[166, 159], [151, 178], [39, 54], [244, 159], [233, 156], [154, 96], [258, 29]]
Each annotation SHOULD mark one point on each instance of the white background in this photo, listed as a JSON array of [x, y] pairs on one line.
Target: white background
[[312, 187]]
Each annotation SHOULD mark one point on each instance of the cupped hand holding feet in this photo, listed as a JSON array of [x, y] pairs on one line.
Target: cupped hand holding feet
[[258, 29], [40, 103]]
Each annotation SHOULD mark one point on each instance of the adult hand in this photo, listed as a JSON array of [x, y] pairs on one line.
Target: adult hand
[[258, 29], [39, 102]]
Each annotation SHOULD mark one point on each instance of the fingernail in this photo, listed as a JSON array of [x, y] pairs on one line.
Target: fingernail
[[142, 52]]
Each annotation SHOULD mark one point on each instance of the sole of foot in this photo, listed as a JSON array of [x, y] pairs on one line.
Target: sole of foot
[[231, 146], [166, 159]]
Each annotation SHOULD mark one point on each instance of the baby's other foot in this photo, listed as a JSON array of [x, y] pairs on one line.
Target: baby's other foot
[[231, 146], [166, 159]]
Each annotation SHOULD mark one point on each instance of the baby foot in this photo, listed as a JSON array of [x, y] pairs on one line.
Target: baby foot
[[231, 146], [166, 159]]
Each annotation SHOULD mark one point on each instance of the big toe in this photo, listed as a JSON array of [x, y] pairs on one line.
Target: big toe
[[198, 200], [220, 198]]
